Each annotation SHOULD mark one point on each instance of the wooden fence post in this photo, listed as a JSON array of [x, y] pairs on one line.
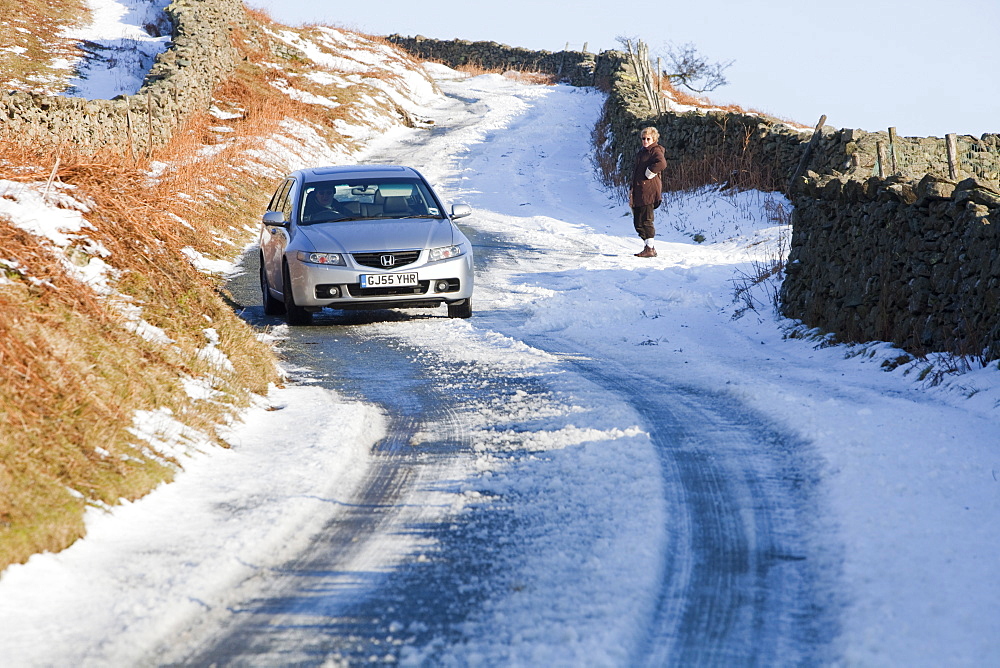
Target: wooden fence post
[[951, 142], [128, 130], [882, 158], [659, 78], [804, 161], [149, 113], [892, 150], [52, 176], [640, 61]]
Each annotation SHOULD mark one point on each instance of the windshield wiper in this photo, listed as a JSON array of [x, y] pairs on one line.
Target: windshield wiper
[[336, 220]]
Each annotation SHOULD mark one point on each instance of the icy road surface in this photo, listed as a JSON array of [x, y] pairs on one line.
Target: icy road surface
[[537, 502]]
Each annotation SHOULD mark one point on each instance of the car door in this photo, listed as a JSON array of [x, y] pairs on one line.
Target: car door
[[274, 238]]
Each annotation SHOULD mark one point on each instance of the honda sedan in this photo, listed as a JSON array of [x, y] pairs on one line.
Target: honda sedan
[[362, 237]]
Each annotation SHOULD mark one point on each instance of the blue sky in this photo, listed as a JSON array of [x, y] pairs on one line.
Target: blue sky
[[915, 65]]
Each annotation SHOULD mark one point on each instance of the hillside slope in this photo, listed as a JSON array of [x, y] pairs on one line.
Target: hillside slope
[[120, 351]]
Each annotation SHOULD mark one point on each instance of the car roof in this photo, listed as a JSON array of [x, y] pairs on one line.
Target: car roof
[[356, 171]]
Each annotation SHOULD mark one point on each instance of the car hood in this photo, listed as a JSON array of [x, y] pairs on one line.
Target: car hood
[[377, 235]]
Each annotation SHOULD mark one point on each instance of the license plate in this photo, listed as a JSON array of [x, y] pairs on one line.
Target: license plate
[[388, 280]]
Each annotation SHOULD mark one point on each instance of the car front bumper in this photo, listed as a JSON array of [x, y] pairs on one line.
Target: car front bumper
[[316, 285]]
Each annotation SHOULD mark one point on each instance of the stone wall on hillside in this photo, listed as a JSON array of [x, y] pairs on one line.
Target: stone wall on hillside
[[890, 260], [887, 244], [573, 67], [775, 146], [201, 54]]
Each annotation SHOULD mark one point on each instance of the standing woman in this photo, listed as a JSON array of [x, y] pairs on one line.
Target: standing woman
[[646, 191]]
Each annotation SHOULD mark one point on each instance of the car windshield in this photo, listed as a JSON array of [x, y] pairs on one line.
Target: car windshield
[[367, 199]]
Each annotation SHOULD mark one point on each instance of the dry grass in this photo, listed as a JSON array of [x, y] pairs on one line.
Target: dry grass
[[72, 372], [701, 102], [604, 160], [72, 375], [736, 164], [687, 99], [262, 77], [30, 41], [475, 68], [732, 168]]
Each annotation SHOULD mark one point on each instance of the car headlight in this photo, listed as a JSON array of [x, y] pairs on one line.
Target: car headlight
[[321, 258], [444, 253]]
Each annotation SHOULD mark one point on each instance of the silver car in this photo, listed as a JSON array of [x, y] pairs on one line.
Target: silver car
[[365, 237]]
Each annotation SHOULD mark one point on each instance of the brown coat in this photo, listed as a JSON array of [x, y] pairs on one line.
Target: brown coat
[[643, 191]]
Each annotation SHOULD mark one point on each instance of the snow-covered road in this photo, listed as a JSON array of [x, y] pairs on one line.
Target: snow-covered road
[[601, 467]]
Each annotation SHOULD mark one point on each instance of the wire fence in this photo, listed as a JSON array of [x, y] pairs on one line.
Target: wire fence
[[954, 157]]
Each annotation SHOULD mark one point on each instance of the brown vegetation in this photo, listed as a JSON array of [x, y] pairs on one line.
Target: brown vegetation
[[32, 29], [474, 69], [73, 370], [701, 102]]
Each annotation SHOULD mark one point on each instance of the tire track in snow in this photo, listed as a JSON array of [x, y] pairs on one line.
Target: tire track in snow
[[744, 579], [339, 597], [745, 583]]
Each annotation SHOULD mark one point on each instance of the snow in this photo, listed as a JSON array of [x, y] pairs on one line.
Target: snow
[[909, 470], [206, 264], [108, 598], [122, 47], [43, 211]]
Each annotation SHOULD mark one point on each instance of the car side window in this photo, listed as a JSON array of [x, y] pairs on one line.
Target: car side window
[[281, 200], [281, 191], [286, 200]]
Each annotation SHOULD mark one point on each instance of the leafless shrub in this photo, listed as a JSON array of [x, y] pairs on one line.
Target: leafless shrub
[[760, 286], [603, 158], [693, 71]]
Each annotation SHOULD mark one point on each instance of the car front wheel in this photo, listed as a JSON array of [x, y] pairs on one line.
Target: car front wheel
[[294, 314], [272, 306], [461, 310]]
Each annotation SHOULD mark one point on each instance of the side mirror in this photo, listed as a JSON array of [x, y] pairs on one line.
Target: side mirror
[[460, 211], [276, 218]]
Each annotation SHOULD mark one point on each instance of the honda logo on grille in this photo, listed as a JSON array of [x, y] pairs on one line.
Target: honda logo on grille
[[388, 260]]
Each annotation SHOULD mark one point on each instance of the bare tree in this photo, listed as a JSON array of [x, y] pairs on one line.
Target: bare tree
[[625, 40], [693, 71]]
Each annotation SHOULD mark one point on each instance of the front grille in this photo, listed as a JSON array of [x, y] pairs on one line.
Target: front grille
[[356, 290], [399, 259]]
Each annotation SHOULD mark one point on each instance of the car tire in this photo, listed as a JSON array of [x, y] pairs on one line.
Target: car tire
[[460, 310], [294, 314], [272, 306]]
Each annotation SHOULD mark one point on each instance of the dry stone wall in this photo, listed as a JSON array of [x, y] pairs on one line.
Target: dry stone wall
[[890, 260], [573, 67], [181, 80], [886, 244], [912, 257]]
